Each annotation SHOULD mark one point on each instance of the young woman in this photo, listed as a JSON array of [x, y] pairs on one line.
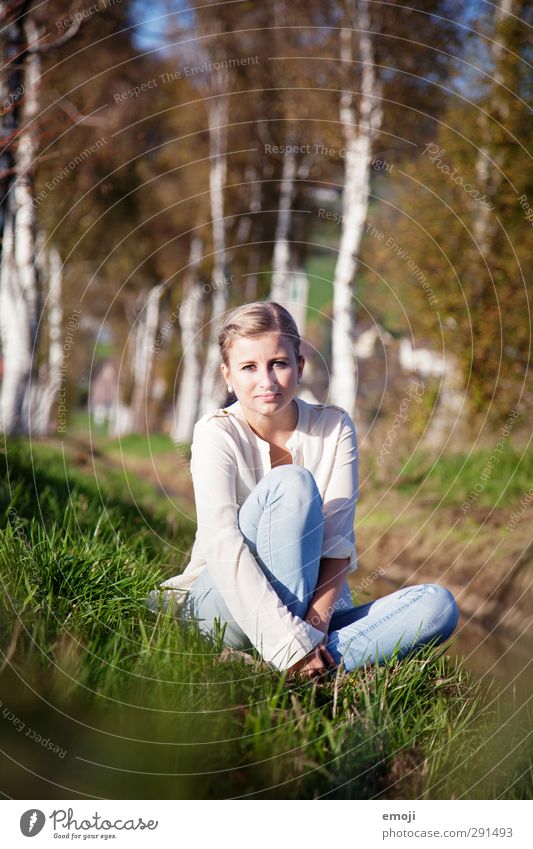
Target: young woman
[[275, 484]]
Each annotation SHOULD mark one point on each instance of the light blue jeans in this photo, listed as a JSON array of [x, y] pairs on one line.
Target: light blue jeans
[[282, 523]]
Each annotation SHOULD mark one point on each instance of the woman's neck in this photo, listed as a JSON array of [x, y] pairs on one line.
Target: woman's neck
[[270, 427]]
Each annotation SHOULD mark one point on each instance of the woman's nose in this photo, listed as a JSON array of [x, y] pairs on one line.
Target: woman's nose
[[267, 379]]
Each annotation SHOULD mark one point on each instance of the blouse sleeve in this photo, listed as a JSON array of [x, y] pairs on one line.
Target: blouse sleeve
[[280, 637], [341, 496]]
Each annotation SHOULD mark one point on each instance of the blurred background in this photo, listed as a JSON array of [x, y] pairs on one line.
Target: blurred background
[[368, 165]]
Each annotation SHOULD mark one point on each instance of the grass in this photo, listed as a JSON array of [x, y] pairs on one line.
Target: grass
[[136, 706], [455, 478], [80, 424], [140, 445]]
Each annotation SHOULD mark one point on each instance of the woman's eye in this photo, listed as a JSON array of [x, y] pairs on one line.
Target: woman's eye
[[279, 363]]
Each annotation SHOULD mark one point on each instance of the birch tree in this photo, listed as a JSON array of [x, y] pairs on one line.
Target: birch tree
[[246, 229], [218, 119], [45, 391], [20, 296], [490, 158], [190, 322], [142, 342], [361, 122], [281, 254], [290, 284]]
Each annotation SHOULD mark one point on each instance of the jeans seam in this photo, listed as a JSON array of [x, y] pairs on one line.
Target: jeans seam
[[363, 633]]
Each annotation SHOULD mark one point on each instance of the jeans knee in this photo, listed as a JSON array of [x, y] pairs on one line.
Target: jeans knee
[[443, 613], [296, 481]]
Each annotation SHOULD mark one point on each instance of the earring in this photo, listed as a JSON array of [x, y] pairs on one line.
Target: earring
[[230, 388]]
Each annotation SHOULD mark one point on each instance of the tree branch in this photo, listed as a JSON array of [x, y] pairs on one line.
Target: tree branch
[[61, 39]]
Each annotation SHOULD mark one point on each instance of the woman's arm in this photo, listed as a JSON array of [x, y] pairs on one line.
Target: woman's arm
[[279, 637], [340, 498], [338, 550], [330, 580]]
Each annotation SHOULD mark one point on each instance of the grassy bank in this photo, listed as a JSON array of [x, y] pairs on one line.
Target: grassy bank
[[101, 698], [459, 519]]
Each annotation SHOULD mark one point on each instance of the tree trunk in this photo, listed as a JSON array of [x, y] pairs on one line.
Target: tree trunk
[[19, 290], [281, 255], [218, 119], [290, 284], [143, 351], [448, 408], [297, 296], [245, 232], [358, 143], [489, 159], [50, 374], [191, 321]]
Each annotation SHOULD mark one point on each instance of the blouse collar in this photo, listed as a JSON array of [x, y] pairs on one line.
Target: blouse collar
[[296, 438]]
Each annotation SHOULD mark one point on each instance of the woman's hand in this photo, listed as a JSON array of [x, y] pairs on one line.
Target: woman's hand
[[313, 665]]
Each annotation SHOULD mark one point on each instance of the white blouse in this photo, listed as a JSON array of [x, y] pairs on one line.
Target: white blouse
[[227, 461]]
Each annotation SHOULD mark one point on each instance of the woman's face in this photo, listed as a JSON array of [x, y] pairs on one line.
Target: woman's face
[[263, 371]]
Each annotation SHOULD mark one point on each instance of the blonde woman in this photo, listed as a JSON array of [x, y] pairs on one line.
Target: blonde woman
[[275, 484]]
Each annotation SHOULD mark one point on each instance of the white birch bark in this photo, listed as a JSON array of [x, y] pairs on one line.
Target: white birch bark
[[19, 294], [134, 419], [244, 229], [489, 160], [281, 254], [218, 118], [244, 232], [143, 340], [358, 136], [46, 391], [14, 330], [290, 284], [190, 320], [449, 406]]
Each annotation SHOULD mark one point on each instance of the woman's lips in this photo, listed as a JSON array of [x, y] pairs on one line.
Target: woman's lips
[[269, 397]]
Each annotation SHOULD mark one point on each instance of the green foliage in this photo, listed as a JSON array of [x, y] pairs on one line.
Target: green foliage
[[459, 213]]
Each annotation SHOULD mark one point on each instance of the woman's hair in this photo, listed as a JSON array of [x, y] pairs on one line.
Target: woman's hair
[[253, 319]]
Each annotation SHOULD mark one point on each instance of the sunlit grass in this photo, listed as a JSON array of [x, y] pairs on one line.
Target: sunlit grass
[[143, 708], [456, 478]]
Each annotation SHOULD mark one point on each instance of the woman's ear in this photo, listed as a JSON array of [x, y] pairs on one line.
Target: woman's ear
[[301, 363], [225, 371]]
